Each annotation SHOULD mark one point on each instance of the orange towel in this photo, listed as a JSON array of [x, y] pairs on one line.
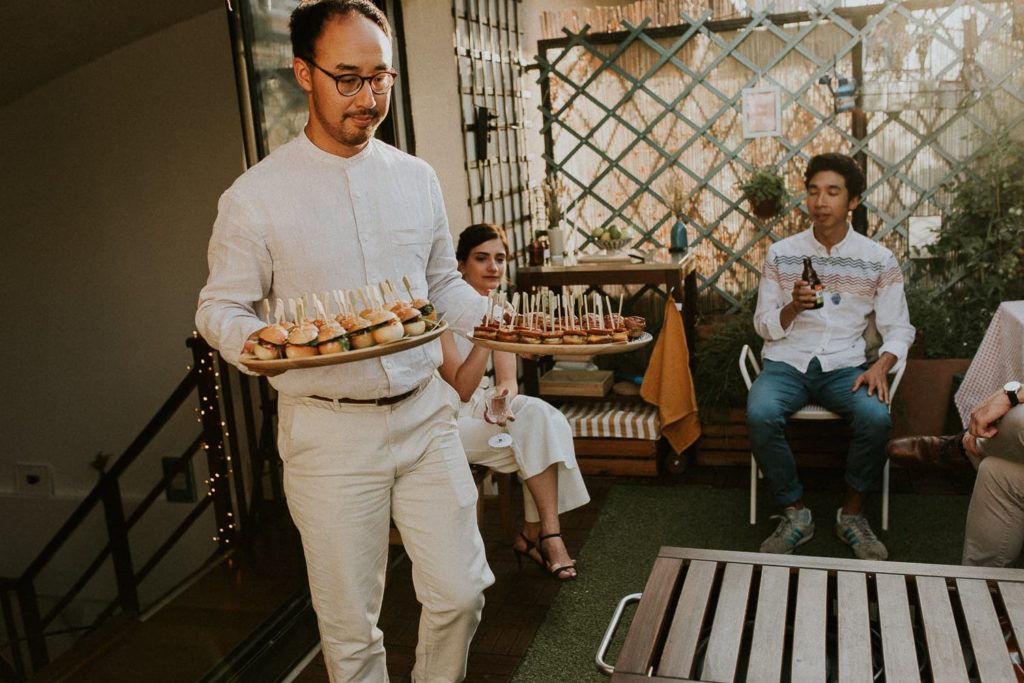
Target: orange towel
[[669, 385]]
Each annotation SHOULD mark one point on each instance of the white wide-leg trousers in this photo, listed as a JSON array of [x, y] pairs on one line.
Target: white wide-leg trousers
[[348, 469]]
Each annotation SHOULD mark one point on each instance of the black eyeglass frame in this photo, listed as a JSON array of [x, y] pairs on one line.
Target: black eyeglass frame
[[363, 80]]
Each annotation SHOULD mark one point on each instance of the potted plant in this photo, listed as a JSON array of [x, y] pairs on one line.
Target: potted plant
[[766, 192]]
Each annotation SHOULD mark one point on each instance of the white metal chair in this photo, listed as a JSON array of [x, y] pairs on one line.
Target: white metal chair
[[750, 368]]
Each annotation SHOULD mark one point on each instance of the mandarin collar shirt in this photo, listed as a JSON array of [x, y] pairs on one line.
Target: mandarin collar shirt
[[304, 221], [860, 277]]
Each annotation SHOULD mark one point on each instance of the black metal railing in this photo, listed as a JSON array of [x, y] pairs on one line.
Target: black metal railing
[[211, 380]]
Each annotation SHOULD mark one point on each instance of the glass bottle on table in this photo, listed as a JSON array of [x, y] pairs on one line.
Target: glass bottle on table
[[537, 249]]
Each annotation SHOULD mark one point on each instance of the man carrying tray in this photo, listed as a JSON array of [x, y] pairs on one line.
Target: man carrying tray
[[365, 441]]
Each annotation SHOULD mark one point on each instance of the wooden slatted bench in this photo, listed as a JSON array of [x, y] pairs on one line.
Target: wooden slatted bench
[[712, 615]]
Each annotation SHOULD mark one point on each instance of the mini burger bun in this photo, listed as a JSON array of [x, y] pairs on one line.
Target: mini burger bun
[[299, 339], [426, 308], [412, 321], [276, 334], [386, 327]]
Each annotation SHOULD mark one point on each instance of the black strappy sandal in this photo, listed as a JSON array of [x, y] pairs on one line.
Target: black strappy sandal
[[558, 573], [530, 545]]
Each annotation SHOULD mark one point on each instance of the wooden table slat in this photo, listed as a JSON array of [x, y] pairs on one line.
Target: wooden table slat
[[840, 564], [990, 653], [809, 626], [727, 629], [765, 664], [1013, 600], [854, 630], [651, 615], [684, 633], [899, 651], [944, 652]]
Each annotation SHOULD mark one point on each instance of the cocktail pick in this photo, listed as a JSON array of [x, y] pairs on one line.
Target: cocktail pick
[[266, 311], [279, 311], [408, 287]]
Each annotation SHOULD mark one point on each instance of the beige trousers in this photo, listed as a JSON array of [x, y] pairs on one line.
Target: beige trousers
[[995, 518], [348, 470]]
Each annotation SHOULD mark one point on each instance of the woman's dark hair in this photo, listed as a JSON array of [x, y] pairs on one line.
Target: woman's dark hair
[[475, 235], [841, 164], [308, 19]]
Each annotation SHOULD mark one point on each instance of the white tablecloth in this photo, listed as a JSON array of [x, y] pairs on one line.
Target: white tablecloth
[[1000, 358]]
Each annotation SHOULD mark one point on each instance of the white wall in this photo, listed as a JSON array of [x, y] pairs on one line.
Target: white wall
[[109, 178], [433, 89]]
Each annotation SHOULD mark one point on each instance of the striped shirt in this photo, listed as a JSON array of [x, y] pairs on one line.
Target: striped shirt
[[860, 277]]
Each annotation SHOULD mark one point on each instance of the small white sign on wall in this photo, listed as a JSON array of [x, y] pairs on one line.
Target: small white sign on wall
[[922, 232], [762, 112]]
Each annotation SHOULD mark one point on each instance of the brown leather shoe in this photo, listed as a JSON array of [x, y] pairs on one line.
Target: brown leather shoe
[[936, 451]]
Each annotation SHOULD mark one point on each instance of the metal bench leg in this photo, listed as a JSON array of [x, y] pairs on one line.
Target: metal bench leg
[[885, 497], [753, 490]]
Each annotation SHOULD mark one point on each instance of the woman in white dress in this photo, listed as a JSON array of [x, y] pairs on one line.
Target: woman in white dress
[[542, 449]]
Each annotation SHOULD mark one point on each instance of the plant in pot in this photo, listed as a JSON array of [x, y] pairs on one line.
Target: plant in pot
[[766, 191]]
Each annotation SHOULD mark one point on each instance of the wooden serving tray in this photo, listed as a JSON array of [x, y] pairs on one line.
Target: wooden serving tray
[[403, 344], [564, 349]]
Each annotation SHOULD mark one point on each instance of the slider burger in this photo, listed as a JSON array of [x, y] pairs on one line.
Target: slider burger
[[385, 327], [553, 337], [270, 342], [635, 326], [331, 338], [426, 309], [620, 335], [599, 335], [302, 340], [574, 335], [528, 336], [412, 320], [359, 334], [613, 320], [485, 332], [508, 335]]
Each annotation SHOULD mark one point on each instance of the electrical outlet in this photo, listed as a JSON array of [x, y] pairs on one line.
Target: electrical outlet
[[33, 479]]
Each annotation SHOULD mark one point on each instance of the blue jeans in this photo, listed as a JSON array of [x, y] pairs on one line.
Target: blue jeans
[[781, 390]]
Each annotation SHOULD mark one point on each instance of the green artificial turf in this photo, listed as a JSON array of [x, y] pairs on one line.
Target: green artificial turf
[[637, 520]]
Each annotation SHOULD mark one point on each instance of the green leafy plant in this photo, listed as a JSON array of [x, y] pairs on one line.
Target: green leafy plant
[[977, 259], [716, 373], [766, 191]]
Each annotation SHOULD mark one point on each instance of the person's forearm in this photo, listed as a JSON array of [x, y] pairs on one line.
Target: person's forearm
[[886, 361], [787, 314]]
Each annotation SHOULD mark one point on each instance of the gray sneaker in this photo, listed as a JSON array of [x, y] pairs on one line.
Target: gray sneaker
[[796, 528], [855, 532]]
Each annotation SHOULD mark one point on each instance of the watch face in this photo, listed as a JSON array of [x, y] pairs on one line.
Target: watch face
[[1012, 386]]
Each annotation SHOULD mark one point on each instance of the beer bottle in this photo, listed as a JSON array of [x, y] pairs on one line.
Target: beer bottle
[[812, 279]]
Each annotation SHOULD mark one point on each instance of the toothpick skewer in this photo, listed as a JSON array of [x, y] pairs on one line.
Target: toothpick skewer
[[408, 287], [266, 311], [301, 312], [279, 311], [620, 304]]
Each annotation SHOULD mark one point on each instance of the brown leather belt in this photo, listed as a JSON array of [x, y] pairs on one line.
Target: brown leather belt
[[384, 401]]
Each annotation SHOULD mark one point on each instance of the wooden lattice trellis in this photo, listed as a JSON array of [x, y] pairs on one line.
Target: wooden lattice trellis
[[630, 114]]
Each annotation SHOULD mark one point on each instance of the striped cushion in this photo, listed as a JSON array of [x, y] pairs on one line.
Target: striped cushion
[[611, 419]]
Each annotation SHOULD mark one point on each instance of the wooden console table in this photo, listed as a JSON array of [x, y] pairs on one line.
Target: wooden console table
[[713, 615], [677, 277]]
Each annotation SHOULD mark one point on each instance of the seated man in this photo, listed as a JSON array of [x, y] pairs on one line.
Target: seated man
[[815, 352], [995, 441]]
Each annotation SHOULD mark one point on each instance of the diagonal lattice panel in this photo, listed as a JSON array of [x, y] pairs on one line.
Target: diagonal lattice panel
[[630, 114]]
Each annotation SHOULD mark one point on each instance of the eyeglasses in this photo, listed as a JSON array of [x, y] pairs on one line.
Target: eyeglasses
[[349, 85]]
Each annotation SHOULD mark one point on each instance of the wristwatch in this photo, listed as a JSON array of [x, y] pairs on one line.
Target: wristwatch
[[1011, 389]]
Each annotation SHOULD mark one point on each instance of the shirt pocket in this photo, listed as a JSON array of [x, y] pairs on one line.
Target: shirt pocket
[[411, 246]]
